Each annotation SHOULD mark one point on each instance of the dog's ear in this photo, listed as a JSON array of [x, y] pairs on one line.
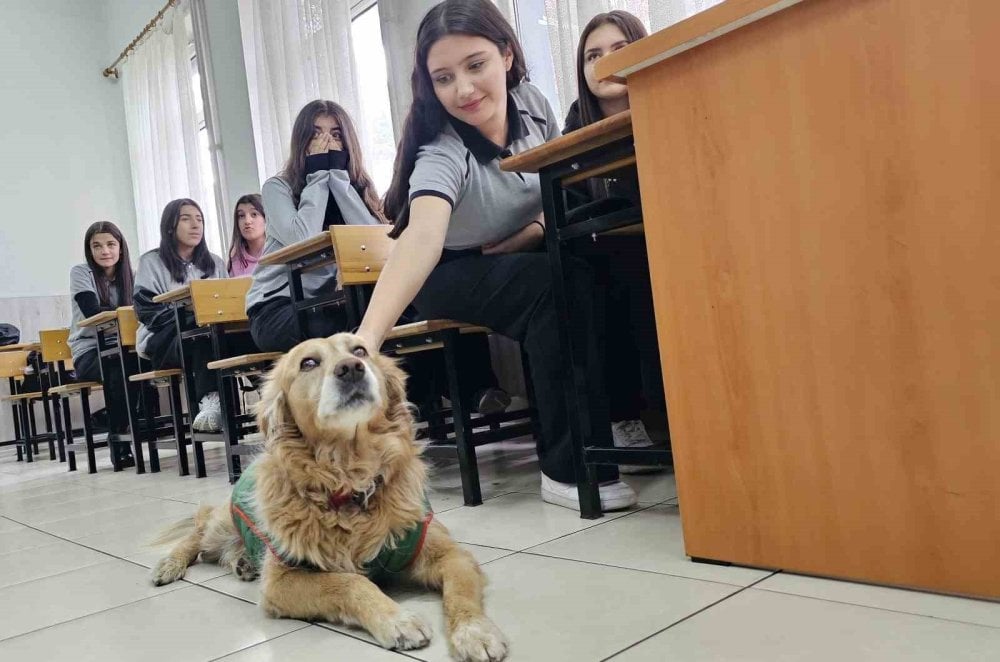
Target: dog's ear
[[395, 385], [273, 416]]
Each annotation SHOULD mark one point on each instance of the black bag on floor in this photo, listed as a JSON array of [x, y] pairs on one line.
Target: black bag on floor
[[9, 334]]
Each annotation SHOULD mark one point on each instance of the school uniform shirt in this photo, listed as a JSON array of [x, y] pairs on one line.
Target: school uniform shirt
[[152, 279], [328, 198], [463, 167], [85, 303]]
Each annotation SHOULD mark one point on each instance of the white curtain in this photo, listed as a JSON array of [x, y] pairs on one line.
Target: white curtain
[[567, 18], [162, 109], [295, 51]]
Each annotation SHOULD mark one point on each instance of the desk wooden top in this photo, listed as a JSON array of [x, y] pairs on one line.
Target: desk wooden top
[[299, 249], [698, 29], [99, 318], [24, 347], [572, 144], [181, 293]]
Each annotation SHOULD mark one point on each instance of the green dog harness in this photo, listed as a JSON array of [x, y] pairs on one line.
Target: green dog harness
[[390, 559]]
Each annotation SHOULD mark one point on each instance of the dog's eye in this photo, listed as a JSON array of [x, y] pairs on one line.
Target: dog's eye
[[308, 363], [360, 352]]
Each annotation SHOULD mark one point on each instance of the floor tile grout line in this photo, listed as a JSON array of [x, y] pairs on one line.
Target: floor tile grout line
[[603, 520], [260, 643], [74, 542], [688, 617], [82, 616], [892, 611], [650, 572]]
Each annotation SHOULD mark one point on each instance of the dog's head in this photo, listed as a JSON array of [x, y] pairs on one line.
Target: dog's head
[[327, 387]]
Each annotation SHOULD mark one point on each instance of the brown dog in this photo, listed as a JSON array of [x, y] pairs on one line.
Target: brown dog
[[336, 501]]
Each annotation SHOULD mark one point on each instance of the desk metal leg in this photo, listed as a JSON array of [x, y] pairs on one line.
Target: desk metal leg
[[586, 477]]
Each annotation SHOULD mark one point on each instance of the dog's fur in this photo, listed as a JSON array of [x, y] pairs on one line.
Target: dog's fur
[[326, 436]]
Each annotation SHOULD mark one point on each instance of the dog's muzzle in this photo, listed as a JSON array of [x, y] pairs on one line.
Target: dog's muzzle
[[352, 381]]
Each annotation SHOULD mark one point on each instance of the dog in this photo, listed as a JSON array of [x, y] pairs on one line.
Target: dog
[[337, 502]]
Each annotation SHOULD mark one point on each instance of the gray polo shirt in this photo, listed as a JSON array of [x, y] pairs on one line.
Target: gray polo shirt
[[463, 167]]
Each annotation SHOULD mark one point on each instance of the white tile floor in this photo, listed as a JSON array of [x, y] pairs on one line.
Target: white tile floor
[[74, 583]]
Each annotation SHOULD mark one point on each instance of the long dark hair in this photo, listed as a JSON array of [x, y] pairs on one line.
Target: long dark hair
[[294, 172], [632, 28], [123, 276], [239, 249], [201, 258], [427, 117]]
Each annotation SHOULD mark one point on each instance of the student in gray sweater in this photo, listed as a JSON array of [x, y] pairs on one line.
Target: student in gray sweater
[[182, 257], [103, 282], [325, 183]]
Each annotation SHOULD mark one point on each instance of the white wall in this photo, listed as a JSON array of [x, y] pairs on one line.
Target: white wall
[[64, 161]]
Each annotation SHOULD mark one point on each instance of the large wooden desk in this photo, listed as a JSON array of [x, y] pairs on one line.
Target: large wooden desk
[[820, 192]]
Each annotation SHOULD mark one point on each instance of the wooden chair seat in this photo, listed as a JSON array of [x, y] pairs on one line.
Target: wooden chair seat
[[244, 360], [35, 395], [155, 374], [76, 387], [432, 326]]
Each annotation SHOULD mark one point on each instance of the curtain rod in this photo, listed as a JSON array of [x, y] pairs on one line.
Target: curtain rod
[[113, 69]]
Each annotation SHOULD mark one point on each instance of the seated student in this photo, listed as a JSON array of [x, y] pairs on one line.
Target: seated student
[[469, 233], [103, 282], [325, 183], [248, 236], [183, 256], [620, 262]]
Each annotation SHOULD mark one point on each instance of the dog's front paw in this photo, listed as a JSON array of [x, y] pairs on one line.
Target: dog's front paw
[[478, 640], [404, 632], [167, 571]]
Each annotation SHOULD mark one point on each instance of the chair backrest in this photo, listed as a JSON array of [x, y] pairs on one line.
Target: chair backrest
[[128, 325], [55, 345], [220, 300], [12, 363], [361, 251]]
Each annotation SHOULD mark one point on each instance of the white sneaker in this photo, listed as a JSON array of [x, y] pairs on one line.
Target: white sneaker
[[615, 495], [209, 418], [632, 434]]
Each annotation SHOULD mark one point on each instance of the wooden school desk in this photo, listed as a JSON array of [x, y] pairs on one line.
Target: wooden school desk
[[819, 184], [211, 309], [600, 149]]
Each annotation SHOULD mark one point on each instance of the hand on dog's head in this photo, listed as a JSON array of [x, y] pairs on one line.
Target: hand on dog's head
[[329, 387]]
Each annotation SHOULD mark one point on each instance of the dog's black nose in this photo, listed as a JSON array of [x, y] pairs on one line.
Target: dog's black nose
[[350, 370]]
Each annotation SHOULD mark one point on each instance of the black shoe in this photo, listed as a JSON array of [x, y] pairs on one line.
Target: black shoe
[[122, 452]]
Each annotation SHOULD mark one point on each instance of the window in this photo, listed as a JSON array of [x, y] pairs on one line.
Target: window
[[375, 122], [214, 233], [533, 31]]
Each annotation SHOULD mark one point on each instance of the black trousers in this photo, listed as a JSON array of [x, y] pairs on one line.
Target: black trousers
[[274, 328], [512, 294], [164, 350], [87, 367], [632, 357]]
